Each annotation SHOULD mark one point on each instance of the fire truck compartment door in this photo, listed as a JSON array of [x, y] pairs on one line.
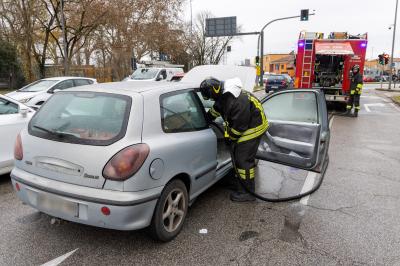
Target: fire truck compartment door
[[333, 48], [298, 133]]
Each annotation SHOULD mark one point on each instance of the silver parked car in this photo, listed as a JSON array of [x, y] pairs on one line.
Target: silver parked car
[[131, 155]]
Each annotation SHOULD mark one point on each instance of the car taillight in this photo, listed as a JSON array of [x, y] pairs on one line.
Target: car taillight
[[126, 162], [18, 152]]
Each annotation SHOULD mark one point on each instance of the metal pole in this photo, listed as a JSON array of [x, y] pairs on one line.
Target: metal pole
[[262, 41], [393, 40], [262, 59], [383, 66], [64, 39]]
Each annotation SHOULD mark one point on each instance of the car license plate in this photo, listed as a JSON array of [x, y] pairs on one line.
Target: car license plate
[[274, 87], [56, 204]]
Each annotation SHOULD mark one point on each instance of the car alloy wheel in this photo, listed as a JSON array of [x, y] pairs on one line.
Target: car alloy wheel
[[174, 210], [170, 212]]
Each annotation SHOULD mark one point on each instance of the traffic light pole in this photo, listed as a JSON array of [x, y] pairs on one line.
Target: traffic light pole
[[261, 38], [393, 40]]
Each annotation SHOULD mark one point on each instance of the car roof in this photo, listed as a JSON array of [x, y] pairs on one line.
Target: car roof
[[67, 77], [129, 88]]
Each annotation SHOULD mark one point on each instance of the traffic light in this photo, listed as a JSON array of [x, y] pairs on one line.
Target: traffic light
[[304, 15], [386, 57], [381, 59], [257, 60], [229, 48]]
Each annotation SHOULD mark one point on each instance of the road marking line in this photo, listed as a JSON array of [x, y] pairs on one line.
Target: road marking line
[[308, 185], [60, 259], [395, 106], [310, 179], [372, 104]]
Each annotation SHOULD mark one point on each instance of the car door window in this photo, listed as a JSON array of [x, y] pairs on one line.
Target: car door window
[[295, 107], [64, 85], [7, 107], [163, 74], [182, 112], [82, 82]]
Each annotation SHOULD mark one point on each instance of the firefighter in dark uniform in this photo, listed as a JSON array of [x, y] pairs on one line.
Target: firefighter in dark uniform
[[356, 85], [245, 123]]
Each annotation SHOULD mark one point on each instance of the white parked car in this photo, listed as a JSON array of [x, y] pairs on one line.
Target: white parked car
[[36, 93], [13, 117], [154, 74]]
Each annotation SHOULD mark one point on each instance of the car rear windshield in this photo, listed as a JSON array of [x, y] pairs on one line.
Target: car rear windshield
[[40, 85], [276, 78], [90, 118]]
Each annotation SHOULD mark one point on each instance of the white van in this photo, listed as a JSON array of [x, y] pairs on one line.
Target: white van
[[154, 74]]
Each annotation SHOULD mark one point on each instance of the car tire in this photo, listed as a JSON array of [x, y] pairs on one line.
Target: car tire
[[170, 212]]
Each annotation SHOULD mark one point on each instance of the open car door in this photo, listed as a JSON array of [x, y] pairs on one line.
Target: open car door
[[298, 133]]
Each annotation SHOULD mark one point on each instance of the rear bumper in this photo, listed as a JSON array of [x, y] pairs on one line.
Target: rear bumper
[[128, 210]]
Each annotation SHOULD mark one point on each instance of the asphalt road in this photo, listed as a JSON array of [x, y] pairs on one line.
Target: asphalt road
[[351, 220]]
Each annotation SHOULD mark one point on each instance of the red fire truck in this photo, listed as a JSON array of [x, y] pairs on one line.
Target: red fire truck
[[326, 63]]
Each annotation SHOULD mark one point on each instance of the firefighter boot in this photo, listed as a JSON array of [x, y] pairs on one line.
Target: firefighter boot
[[242, 195], [356, 113]]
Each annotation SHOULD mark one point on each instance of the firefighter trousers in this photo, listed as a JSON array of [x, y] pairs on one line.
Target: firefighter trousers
[[354, 99], [245, 157]]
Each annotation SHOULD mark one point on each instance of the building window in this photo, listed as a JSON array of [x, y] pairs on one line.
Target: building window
[[282, 66], [277, 67]]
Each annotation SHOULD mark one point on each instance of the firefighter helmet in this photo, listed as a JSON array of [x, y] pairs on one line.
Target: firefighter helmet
[[211, 88], [356, 68]]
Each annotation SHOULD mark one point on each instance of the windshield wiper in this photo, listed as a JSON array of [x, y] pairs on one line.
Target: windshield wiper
[[56, 133]]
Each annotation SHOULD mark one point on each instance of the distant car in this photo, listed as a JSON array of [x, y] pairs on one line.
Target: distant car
[[13, 117], [275, 83], [289, 80], [154, 74], [36, 93], [130, 155], [368, 79]]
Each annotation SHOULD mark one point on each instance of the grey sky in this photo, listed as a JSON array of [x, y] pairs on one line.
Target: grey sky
[[356, 16]]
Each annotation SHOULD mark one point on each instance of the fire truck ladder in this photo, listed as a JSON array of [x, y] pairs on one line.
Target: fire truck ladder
[[306, 81]]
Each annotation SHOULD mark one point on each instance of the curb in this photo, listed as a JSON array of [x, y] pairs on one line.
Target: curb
[[391, 90]]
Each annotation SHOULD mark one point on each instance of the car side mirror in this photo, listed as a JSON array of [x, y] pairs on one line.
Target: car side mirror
[[158, 78], [23, 111]]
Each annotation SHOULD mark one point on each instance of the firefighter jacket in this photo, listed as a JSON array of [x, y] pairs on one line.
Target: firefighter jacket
[[356, 84], [243, 113]]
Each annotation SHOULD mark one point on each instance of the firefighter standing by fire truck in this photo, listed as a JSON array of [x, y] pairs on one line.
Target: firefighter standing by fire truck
[[245, 123], [356, 85]]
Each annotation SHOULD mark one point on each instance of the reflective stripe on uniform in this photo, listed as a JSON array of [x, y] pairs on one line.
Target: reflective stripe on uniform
[[214, 113], [357, 108], [348, 107], [241, 173], [259, 130], [352, 92], [252, 173], [234, 131], [359, 85]]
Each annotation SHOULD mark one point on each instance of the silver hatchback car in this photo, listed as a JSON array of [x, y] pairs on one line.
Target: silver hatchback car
[[128, 155]]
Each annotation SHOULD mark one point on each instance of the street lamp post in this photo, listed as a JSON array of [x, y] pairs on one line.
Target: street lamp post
[[261, 40], [393, 41]]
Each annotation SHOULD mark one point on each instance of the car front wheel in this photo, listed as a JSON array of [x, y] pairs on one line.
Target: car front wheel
[[170, 212]]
